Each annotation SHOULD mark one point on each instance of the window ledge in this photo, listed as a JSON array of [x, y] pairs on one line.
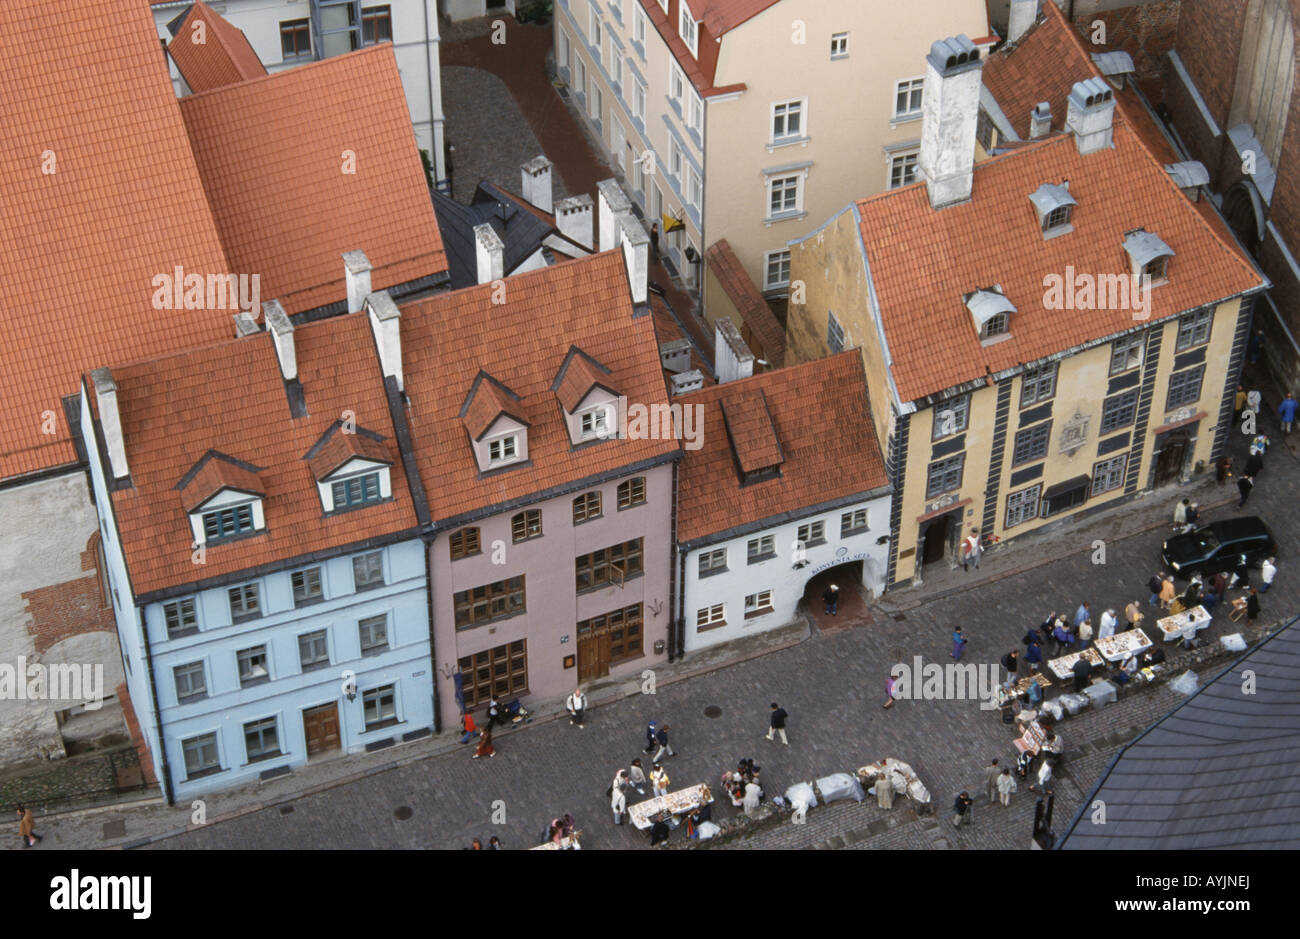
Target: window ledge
[[762, 557], [900, 119], [814, 543], [377, 650], [994, 340], [381, 725], [362, 588], [582, 591], [249, 683], [589, 518], [784, 217], [755, 614], [713, 571], [192, 698], [854, 531], [462, 557], [634, 505], [245, 618], [264, 757], [316, 666], [205, 772], [460, 628], [783, 142], [711, 626], [310, 601], [181, 634], [526, 538]]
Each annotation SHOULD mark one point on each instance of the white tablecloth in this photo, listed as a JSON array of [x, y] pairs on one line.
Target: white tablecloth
[[1176, 627], [1121, 645], [677, 803], [1064, 666]]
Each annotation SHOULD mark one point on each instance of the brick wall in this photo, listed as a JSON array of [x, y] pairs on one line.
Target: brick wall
[[71, 608], [1146, 31], [133, 725]]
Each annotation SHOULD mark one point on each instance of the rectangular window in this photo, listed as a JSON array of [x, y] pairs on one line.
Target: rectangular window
[[1109, 474], [839, 45], [695, 113], [597, 103], [638, 28], [951, 417], [1126, 354], [1031, 443], [608, 565], [711, 617], [464, 543], [374, 634], [694, 188], [261, 741], [595, 27], [190, 682], [1023, 505], [245, 602], [853, 523], [376, 25], [306, 586], [356, 491], [1185, 387], [253, 668], [687, 27], [624, 628], [783, 195], [834, 333], [1194, 329], [638, 100], [631, 492], [756, 604], [313, 650], [787, 120], [777, 271], [985, 131], [902, 168], [944, 475], [380, 707], [182, 620], [564, 50], [368, 570], [1038, 385], [201, 756], [761, 549], [225, 523], [674, 159], [339, 30], [500, 673], [907, 98], [1063, 501], [1118, 411], [677, 82], [580, 75], [586, 507], [295, 39], [491, 601], [812, 533], [526, 524], [711, 562], [615, 66], [594, 423]]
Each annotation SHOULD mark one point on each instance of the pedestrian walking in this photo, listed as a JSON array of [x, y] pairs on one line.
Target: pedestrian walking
[[1252, 607], [1155, 585], [889, 691], [1132, 616], [27, 828], [494, 714], [661, 739], [485, 747], [1167, 593], [1085, 629], [1063, 638], [958, 643], [617, 802], [776, 724], [1209, 600], [971, 550], [476, 845], [577, 706], [1006, 786], [961, 808], [1255, 347], [1254, 463], [1082, 613], [636, 776], [1244, 485], [1267, 571], [654, 241], [621, 781], [1238, 403], [1180, 514], [659, 779], [1286, 412], [467, 727], [1011, 662], [831, 598], [1044, 778], [991, 774], [651, 729]]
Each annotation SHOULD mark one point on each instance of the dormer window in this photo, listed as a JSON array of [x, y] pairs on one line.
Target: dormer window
[[688, 26], [1156, 269], [991, 312], [1148, 255], [356, 491], [352, 467], [588, 397], [224, 523], [503, 450], [1058, 217], [497, 423], [595, 424], [1055, 208], [223, 498], [998, 324]]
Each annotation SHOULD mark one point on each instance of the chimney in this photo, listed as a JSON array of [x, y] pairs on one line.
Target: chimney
[[687, 381], [734, 359], [611, 201], [1090, 114], [489, 252], [636, 253], [1023, 15], [281, 330], [386, 323], [1040, 120], [357, 268], [573, 219], [110, 422], [675, 355], [245, 324], [535, 183], [950, 110]]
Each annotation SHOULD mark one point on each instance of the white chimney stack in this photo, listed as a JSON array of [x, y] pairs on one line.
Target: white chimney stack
[[636, 254], [1090, 114], [535, 183], [1023, 15], [110, 422], [489, 252], [950, 111], [573, 217], [386, 324], [734, 358], [281, 330], [611, 201], [1040, 120], [357, 271]]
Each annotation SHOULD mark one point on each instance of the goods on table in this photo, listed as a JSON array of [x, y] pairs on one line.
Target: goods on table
[[840, 786], [901, 775]]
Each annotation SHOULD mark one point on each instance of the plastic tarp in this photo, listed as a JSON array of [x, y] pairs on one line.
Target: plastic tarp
[[707, 830], [801, 793], [1074, 703], [840, 786], [1186, 683], [1054, 708], [1233, 643], [904, 779]]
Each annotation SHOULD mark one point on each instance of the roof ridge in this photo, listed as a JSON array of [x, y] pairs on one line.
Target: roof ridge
[[296, 70]]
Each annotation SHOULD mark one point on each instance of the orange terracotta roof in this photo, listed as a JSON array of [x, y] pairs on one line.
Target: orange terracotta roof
[[446, 340], [577, 376], [667, 329], [715, 19], [275, 155], [341, 447], [923, 261], [488, 400], [750, 429], [215, 475], [222, 57], [231, 398], [100, 195], [757, 315], [832, 457]]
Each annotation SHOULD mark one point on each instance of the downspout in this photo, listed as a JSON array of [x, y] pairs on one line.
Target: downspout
[[433, 658], [168, 794], [676, 628], [436, 156]]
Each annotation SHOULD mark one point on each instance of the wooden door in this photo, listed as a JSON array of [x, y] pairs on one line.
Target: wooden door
[[936, 540], [593, 655], [321, 726], [1169, 465]]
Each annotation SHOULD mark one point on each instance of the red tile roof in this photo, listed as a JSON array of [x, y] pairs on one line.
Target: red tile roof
[[100, 195], [341, 447], [213, 54], [488, 400], [924, 261], [822, 423], [715, 19], [758, 317], [448, 338], [750, 429], [216, 475], [276, 153], [578, 375], [231, 398]]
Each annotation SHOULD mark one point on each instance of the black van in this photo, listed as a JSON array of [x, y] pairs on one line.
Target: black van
[[1219, 546]]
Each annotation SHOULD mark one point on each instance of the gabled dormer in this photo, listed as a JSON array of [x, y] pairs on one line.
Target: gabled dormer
[[352, 468], [1148, 256], [587, 397], [497, 423], [1055, 208], [755, 448], [223, 499], [990, 311]]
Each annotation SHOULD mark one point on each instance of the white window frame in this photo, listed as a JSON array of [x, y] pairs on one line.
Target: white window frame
[[595, 27], [1024, 498], [615, 64], [812, 533], [772, 182], [663, 5], [800, 107], [676, 158], [694, 188], [564, 49], [638, 100], [768, 258], [710, 616], [760, 549], [599, 420], [842, 40], [676, 81], [1127, 354], [580, 74], [639, 27], [695, 112], [692, 36], [848, 522], [1110, 473], [900, 157], [913, 84], [508, 442], [711, 561], [759, 604]]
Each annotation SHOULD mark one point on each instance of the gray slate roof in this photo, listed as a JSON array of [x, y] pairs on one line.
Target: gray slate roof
[[1221, 770], [520, 230]]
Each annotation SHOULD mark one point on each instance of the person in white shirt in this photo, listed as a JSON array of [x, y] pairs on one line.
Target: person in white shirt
[[1267, 572], [577, 705], [1108, 624], [1006, 786]]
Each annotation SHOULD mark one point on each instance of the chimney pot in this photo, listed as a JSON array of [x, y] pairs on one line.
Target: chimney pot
[[357, 269], [1040, 120], [612, 201], [110, 421], [386, 324], [489, 253], [1090, 115], [281, 330], [535, 183], [573, 217]]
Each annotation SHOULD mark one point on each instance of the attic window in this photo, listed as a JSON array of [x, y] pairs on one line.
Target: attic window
[[688, 26], [1156, 269], [1058, 217], [991, 312], [595, 424], [504, 450], [997, 325], [1055, 208], [1148, 255], [228, 522], [356, 491]]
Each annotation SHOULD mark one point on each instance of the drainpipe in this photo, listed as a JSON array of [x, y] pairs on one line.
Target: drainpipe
[[168, 794], [433, 658], [436, 157], [676, 632]]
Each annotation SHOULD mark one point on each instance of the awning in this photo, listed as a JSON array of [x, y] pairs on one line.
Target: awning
[[1070, 485]]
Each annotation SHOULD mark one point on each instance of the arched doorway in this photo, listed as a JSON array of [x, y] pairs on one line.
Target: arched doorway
[[852, 607], [1244, 210]]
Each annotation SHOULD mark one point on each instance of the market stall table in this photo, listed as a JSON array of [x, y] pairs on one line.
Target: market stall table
[[675, 803], [1121, 645], [1182, 625], [1063, 667], [1022, 686], [568, 841], [1034, 737]]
